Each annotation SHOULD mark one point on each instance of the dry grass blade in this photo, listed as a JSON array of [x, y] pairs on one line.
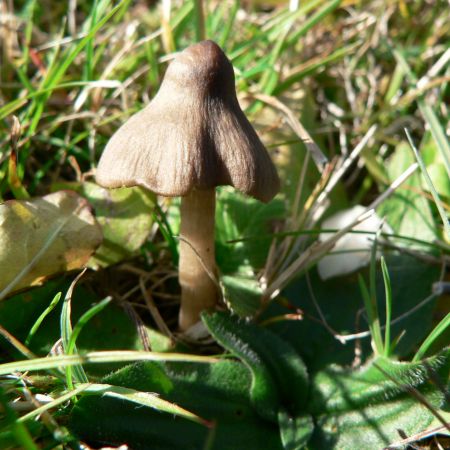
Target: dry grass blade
[[321, 202], [317, 155], [318, 249], [416, 437], [16, 343]]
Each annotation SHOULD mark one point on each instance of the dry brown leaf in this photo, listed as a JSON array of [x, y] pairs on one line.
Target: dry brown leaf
[[44, 236]]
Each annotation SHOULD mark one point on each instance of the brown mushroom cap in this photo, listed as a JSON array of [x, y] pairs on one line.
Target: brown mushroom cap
[[192, 135]]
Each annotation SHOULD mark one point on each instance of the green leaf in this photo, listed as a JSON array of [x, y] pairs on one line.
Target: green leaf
[[263, 391], [237, 217], [431, 188], [242, 295], [218, 392], [336, 389], [440, 179], [407, 211], [295, 432], [118, 211], [279, 375], [428, 113], [365, 408]]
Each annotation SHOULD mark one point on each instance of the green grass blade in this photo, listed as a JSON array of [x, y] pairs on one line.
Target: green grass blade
[[199, 16], [84, 319], [373, 295], [309, 68], [395, 83], [37, 107], [166, 231], [388, 297], [66, 336], [374, 324], [437, 331], [140, 398], [57, 71], [88, 67], [287, 17], [41, 318], [269, 78], [22, 69], [143, 399], [316, 18], [273, 31], [227, 29], [180, 23], [56, 362], [58, 401], [152, 59], [61, 69], [13, 106]]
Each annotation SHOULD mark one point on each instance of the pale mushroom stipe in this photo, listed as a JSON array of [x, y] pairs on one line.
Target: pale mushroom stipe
[[192, 137]]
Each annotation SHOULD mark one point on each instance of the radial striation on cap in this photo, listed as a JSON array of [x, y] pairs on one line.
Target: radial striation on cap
[[192, 135]]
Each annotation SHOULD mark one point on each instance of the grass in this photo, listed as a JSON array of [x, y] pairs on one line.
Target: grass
[[330, 86]]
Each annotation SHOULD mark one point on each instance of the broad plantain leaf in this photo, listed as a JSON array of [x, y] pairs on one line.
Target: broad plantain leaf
[[279, 375], [243, 403], [366, 408], [344, 409], [217, 392]]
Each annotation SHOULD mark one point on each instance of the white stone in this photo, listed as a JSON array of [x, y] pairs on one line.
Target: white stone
[[353, 250]]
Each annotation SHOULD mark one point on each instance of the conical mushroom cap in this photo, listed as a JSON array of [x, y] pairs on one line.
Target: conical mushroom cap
[[192, 135]]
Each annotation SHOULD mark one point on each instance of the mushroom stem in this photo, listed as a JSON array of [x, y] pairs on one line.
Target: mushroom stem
[[198, 290]]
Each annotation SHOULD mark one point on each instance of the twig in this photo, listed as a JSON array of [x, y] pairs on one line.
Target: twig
[[153, 309]]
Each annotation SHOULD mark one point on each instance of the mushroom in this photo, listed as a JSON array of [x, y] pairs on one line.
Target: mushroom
[[192, 137]]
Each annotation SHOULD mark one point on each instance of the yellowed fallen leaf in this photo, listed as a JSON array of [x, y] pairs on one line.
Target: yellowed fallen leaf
[[44, 236]]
